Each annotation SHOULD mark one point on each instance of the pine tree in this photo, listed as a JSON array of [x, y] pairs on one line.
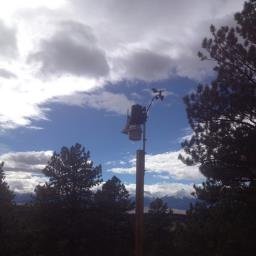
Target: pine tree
[[223, 114], [112, 206], [63, 203], [6, 195], [6, 215], [113, 196], [71, 175], [158, 229], [223, 119]]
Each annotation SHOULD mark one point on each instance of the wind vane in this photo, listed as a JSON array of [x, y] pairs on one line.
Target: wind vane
[[139, 116]]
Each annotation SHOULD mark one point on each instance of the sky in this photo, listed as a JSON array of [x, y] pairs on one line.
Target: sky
[[71, 69]]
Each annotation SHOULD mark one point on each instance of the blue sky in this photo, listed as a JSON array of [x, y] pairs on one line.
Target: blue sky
[[70, 69]]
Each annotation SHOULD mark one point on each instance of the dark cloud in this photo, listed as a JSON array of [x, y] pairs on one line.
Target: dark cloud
[[171, 31], [133, 19], [147, 65], [72, 50], [152, 66], [6, 74], [8, 43]]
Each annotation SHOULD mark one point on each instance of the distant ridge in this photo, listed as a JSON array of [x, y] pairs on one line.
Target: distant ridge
[[178, 202], [173, 202]]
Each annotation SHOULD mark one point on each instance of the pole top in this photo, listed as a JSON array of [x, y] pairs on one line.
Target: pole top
[[139, 116]]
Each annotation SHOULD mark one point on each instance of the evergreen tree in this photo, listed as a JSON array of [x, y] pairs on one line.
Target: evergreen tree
[[223, 119], [6, 195], [158, 207], [159, 229], [112, 206], [223, 115], [63, 203], [6, 215], [226, 228], [113, 196], [71, 177]]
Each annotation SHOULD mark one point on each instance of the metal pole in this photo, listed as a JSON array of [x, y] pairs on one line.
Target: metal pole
[[139, 211]]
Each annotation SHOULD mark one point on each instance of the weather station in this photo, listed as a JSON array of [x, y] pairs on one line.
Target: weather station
[[135, 128]]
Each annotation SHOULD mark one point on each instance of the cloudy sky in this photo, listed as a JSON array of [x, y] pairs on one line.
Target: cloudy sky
[[70, 70]]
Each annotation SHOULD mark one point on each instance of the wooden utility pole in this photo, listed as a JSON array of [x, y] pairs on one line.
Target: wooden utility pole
[[132, 128], [139, 210]]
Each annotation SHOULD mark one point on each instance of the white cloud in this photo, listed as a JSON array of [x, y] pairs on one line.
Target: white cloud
[[123, 170], [164, 189], [164, 177], [166, 164], [30, 95], [187, 134], [23, 170], [170, 164], [6, 73], [24, 182], [101, 100], [85, 43], [29, 162], [8, 43], [23, 173]]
